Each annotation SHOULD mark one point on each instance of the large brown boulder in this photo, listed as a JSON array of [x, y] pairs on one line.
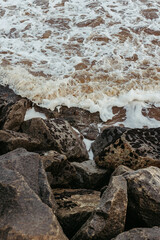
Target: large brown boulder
[[23, 215], [135, 148], [12, 109], [74, 207], [10, 140], [59, 170], [140, 234], [58, 135], [108, 220]]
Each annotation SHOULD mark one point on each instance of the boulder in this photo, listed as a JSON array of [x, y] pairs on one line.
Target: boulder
[[74, 207], [134, 148], [30, 166], [108, 219], [143, 197], [59, 170], [23, 215], [12, 109], [81, 119], [10, 140], [90, 176], [58, 135], [140, 234]]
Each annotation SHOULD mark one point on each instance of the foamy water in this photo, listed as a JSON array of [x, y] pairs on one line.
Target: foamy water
[[85, 53]]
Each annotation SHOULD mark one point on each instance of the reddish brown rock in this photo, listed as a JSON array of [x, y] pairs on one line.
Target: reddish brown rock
[[74, 207]]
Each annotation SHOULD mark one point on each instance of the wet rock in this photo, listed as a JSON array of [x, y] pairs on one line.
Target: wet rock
[[30, 166], [143, 197], [10, 140], [81, 119], [12, 109], [90, 176], [59, 170], [74, 207], [140, 234], [108, 219], [58, 135], [135, 148], [22, 213]]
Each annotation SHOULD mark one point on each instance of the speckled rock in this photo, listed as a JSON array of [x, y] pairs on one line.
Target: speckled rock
[[135, 148], [140, 234], [74, 207], [10, 140], [59, 170], [109, 217], [58, 135]]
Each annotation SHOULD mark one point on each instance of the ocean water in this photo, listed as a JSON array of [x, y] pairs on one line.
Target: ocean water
[[93, 54]]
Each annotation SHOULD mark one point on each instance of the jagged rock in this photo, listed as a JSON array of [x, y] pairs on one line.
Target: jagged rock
[[30, 166], [58, 135], [90, 176], [22, 213], [140, 234], [120, 170], [10, 140], [143, 197], [12, 109], [74, 207], [108, 219], [59, 170], [135, 148]]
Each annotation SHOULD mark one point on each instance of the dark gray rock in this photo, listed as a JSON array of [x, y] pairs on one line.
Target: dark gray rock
[[108, 219], [74, 207], [58, 135], [22, 213], [144, 197], [134, 148], [140, 234], [30, 166], [90, 176], [59, 170]]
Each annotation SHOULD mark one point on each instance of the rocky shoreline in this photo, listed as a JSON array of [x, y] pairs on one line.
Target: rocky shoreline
[[50, 190]]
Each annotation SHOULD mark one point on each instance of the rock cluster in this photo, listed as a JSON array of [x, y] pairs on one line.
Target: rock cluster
[[49, 189]]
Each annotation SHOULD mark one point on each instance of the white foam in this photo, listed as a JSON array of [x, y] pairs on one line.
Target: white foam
[[88, 147], [43, 38], [31, 113]]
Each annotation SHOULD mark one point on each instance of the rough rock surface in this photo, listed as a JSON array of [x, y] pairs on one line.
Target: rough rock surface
[[10, 140], [135, 148], [81, 119], [74, 207], [22, 213], [30, 166], [140, 234], [90, 176], [108, 220], [58, 135], [12, 109], [144, 196], [59, 170]]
